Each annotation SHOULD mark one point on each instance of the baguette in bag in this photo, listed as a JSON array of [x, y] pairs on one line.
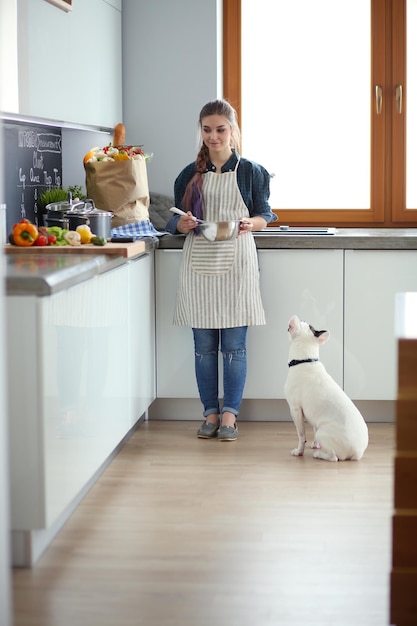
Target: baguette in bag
[[119, 135]]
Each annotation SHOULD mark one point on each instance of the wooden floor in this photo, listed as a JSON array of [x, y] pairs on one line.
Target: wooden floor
[[180, 531]]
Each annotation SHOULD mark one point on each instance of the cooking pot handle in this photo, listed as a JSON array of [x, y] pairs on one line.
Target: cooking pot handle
[[63, 222], [89, 204]]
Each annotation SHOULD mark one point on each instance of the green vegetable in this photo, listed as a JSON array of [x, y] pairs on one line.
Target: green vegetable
[[59, 233], [98, 241]]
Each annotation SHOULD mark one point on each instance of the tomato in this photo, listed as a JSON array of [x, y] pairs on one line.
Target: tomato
[[51, 239], [41, 240]]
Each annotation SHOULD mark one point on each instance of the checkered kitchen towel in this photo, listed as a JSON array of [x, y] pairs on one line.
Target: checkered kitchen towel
[[138, 230]]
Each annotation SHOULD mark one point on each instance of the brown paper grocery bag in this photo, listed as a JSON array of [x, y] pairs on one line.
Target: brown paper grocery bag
[[120, 187]]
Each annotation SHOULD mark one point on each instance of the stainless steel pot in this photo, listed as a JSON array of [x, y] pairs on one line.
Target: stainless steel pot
[[69, 220], [100, 223], [70, 215], [67, 214], [58, 209]]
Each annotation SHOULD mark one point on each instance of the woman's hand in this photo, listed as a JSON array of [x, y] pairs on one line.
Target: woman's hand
[[249, 224], [186, 223]]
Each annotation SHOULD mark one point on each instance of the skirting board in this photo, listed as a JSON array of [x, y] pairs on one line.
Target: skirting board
[[260, 410]]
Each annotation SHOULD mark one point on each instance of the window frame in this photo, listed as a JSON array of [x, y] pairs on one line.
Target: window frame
[[388, 69]]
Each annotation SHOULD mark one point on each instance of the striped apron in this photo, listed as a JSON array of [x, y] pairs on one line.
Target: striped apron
[[219, 281]]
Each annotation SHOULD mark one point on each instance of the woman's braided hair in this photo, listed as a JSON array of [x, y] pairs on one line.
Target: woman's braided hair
[[193, 199]]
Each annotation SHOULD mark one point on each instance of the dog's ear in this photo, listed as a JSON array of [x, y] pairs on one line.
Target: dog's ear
[[323, 336], [293, 324]]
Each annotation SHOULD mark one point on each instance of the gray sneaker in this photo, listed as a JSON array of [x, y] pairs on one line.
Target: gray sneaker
[[227, 433], [207, 430]]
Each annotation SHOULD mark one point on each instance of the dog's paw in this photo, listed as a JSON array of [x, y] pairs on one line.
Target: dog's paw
[[326, 456], [315, 445], [297, 452]]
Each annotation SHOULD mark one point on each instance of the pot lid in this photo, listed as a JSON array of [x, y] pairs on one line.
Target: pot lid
[[101, 213], [59, 206], [66, 206]]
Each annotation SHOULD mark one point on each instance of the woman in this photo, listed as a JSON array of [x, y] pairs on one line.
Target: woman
[[218, 293]]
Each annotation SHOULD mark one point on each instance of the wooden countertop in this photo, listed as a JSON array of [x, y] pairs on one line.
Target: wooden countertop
[[127, 250]]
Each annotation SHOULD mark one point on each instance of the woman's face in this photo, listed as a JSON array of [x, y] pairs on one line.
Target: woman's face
[[216, 133]]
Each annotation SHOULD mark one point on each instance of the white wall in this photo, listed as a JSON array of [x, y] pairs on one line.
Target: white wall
[[70, 63], [75, 144], [171, 68], [9, 98]]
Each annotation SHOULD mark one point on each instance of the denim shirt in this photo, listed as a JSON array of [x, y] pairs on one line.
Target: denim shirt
[[253, 182]]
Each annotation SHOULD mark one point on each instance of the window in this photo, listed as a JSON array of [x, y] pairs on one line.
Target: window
[[411, 156], [321, 93]]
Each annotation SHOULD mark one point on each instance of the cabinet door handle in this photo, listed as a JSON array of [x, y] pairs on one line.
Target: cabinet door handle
[[378, 97], [399, 98]]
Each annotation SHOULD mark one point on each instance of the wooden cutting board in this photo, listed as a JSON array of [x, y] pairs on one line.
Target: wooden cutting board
[[127, 250]]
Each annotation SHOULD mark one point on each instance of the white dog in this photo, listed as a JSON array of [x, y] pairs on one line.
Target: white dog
[[340, 432]]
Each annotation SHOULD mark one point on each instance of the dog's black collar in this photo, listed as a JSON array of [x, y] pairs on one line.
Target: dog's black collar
[[298, 361]]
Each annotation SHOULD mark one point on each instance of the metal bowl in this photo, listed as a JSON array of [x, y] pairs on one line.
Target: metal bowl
[[219, 231]]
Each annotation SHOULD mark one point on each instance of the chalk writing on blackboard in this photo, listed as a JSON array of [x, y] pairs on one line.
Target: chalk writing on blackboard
[[33, 164]]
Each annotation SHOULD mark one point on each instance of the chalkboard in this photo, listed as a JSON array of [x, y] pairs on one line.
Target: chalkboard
[[33, 164]]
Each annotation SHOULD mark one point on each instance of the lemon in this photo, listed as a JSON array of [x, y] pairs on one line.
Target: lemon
[[122, 156], [85, 233]]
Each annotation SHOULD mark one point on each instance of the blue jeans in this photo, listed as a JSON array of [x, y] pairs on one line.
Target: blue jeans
[[206, 350]]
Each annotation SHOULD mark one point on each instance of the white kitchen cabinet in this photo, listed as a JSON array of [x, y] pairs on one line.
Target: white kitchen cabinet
[[69, 391], [81, 374], [98, 21], [141, 370], [372, 280], [174, 344], [308, 283]]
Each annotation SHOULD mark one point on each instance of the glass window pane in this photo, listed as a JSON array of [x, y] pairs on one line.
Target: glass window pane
[[411, 141], [306, 100]]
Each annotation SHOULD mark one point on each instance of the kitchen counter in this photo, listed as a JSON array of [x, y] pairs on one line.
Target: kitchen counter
[[342, 239], [43, 275], [45, 271]]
